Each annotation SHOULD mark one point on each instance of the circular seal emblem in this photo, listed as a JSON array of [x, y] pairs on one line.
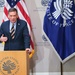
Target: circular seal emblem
[[44, 2], [62, 15], [2, 3], [9, 66]]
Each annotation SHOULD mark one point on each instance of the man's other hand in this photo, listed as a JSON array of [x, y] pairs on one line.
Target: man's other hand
[[3, 38], [28, 50]]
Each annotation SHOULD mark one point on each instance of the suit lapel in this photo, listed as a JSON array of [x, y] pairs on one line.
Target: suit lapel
[[17, 28]]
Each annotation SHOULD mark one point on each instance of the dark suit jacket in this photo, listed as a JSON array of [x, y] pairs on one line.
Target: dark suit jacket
[[21, 40]]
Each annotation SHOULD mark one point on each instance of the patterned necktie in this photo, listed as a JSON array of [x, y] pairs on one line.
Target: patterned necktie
[[12, 32]]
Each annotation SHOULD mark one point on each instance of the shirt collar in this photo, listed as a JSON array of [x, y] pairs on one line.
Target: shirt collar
[[14, 23]]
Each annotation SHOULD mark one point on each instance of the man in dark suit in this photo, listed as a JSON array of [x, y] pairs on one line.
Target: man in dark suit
[[14, 32]]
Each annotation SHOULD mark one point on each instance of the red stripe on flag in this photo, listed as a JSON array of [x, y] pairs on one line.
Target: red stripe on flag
[[6, 11], [24, 14], [32, 45]]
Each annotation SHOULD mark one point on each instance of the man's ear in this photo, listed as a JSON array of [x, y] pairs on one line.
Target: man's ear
[[17, 16]]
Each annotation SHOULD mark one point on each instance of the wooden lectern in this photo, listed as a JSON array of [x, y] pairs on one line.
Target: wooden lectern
[[14, 63]]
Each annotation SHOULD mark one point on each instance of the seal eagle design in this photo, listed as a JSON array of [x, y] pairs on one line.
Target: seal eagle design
[[62, 7]]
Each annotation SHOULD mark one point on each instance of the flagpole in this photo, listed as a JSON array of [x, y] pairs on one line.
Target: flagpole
[[61, 67]]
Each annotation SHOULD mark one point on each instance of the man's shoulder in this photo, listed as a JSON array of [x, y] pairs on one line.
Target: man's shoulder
[[21, 21], [5, 22]]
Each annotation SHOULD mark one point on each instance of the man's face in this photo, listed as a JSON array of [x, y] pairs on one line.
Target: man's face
[[13, 16]]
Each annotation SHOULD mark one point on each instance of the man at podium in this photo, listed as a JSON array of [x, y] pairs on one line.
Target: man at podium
[[14, 32]]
